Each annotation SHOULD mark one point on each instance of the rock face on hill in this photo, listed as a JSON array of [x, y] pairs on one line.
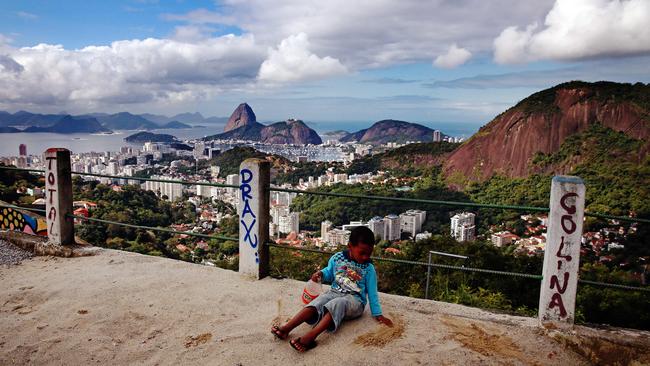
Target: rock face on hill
[[391, 131], [541, 123], [242, 116], [290, 132]]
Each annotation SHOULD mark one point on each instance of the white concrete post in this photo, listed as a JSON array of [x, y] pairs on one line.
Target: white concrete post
[[562, 254], [58, 203], [253, 210]]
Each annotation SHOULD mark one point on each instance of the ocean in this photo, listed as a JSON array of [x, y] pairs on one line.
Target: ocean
[[84, 142], [79, 143]]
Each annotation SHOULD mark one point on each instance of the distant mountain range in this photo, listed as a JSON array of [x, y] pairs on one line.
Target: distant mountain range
[[92, 123], [241, 125]]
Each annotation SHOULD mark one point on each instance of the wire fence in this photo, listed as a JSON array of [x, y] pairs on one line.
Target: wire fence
[[416, 263], [466, 269], [344, 195], [355, 196]]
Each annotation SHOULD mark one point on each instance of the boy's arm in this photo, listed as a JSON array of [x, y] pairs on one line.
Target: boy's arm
[[328, 272], [371, 287]]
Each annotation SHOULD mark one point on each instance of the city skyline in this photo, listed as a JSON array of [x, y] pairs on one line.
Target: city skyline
[[439, 61]]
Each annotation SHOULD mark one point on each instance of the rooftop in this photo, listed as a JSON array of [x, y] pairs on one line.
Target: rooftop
[[123, 308]]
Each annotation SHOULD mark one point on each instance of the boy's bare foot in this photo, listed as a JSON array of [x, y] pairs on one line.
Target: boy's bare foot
[[301, 347], [279, 333]]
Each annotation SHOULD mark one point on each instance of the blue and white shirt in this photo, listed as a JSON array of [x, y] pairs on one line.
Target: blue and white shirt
[[358, 279]]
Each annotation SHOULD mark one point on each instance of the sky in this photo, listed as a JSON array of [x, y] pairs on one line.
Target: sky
[[324, 61]]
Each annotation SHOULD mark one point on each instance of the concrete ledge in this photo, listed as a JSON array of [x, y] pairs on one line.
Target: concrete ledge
[[120, 308], [41, 247]]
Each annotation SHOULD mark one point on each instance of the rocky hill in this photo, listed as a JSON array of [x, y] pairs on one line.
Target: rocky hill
[[150, 137], [539, 124], [390, 130], [126, 121], [243, 115], [243, 126]]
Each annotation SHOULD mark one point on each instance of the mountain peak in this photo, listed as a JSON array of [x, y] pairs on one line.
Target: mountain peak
[[242, 116]]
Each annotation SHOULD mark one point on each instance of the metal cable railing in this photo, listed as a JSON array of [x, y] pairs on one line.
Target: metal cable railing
[[357, 196], [380, 259], [183, 182], [161, 229], [416, 263], [23, 208], [467, 269]]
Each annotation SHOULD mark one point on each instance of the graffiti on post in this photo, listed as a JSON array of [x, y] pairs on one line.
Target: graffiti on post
[[248, 218], [562, 253], [11, 219], [568, 225]]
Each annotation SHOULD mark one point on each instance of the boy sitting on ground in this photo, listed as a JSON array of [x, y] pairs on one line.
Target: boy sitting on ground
[[354, 282]]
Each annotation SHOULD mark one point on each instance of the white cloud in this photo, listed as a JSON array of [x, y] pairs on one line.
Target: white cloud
[[454, 57], [580, 29], [377, 33], [26, 15], [127, 72], [192, 33], [292, 61]]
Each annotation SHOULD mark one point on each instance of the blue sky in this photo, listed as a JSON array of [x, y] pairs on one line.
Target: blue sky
[[436, 61]]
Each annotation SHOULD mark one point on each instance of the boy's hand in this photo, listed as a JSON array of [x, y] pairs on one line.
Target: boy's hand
[[384, 320], [317, 276]]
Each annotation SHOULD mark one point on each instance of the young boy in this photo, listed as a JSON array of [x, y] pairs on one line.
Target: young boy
[[353, 278]]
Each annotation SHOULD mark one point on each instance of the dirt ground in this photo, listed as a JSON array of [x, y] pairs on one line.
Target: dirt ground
[[125, 308]]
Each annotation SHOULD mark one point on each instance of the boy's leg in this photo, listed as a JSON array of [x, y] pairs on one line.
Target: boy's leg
[[325, 323], [302, 316]]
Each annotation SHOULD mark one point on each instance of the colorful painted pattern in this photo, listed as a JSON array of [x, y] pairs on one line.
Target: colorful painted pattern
[[11, 219]]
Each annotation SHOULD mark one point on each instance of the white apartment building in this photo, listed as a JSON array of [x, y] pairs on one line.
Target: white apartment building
[[392, 227], [278, 211], [338, 237], [376, 225], [462, 226], [289, 223], [408, 223], [325, 227], [171, 190], [112, 168], [203, 191], [421, 216], [353, 224], [437, 136]]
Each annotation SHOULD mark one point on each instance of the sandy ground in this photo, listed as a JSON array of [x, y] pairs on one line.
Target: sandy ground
[[121, 308]]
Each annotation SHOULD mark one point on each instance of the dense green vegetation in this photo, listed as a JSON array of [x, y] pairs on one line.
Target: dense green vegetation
[[617, 180], [340, 210], [409, 160], [11, 181], [304, 170], [603, 91], [132, 205], [230, 160]]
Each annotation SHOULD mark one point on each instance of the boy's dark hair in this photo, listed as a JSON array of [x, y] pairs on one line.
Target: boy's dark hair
[[361, 234]]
